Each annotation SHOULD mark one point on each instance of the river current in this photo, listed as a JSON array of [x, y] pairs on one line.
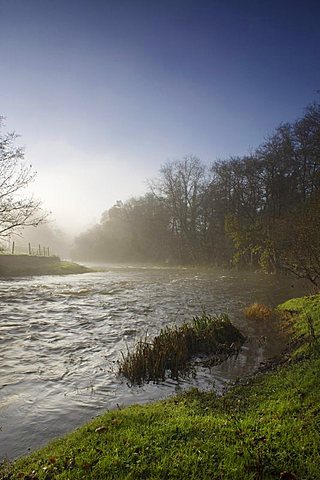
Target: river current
[[61, 336]]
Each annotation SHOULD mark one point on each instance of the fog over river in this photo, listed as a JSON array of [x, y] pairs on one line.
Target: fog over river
[[60, 338]]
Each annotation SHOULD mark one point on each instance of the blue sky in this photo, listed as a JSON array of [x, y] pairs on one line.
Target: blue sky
[[104, 92]]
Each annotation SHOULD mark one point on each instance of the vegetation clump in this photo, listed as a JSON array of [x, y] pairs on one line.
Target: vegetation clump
[[171, 351], [258, 311]]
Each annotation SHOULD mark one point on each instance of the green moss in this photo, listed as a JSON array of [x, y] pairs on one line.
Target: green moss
[[254, 431]]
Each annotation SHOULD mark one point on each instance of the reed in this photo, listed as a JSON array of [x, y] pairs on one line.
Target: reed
[[170, 353], [258, 311]]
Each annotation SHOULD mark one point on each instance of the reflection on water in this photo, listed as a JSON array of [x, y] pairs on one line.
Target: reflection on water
[[60, 338]]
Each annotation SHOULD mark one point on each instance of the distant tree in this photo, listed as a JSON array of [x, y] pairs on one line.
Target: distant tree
[[148, 221], [90, 245], [17, 209], [239, 195], [136, 230], [300, 236], [181, 186], [263, 198], [260, 210]]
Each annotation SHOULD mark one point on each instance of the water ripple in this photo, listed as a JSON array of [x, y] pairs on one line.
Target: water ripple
[[60, 338]]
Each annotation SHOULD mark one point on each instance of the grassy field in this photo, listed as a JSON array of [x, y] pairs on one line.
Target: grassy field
[[26, 265], [266, 429]]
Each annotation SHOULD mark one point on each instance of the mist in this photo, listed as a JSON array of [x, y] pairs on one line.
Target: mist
[[47, 236], [77, 186], [103, 96]]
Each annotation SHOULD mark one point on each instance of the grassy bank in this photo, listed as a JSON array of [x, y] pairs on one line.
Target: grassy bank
[[267, 429], [26, 265]]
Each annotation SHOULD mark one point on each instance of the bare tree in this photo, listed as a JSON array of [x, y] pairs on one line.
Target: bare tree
[[181, 186], [17, 209]]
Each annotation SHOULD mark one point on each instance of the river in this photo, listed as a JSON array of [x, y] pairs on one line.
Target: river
[[60, 338]]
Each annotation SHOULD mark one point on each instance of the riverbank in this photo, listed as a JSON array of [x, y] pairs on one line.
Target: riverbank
[[266, 429], [26, 265]]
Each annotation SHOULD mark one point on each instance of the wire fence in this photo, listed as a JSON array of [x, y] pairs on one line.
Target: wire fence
[[15, 248]]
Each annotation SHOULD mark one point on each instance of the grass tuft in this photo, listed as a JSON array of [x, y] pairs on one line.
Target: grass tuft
[[258, 311], [170, 353]]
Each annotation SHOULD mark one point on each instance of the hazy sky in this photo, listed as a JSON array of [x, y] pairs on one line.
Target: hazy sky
[[104, 92]]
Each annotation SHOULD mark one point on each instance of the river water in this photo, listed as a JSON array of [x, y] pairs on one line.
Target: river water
[[60, 338]]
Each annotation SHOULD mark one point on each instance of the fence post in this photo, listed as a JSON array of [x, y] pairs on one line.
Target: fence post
[[12, 248], [29, 249], [39, 249]]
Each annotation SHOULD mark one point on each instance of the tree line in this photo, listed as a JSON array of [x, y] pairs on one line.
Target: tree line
[[260, 210]]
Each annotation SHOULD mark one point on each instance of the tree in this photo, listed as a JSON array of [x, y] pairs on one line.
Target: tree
[[259, 210], [301, 255], [181, 187], [136, 230], [17, 209]]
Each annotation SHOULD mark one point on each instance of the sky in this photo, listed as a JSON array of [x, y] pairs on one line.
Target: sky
[[104, 92]]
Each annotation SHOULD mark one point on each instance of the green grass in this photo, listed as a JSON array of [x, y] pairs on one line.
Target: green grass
[[65, 268], [170, 353], [255, 431], [26, 265]]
